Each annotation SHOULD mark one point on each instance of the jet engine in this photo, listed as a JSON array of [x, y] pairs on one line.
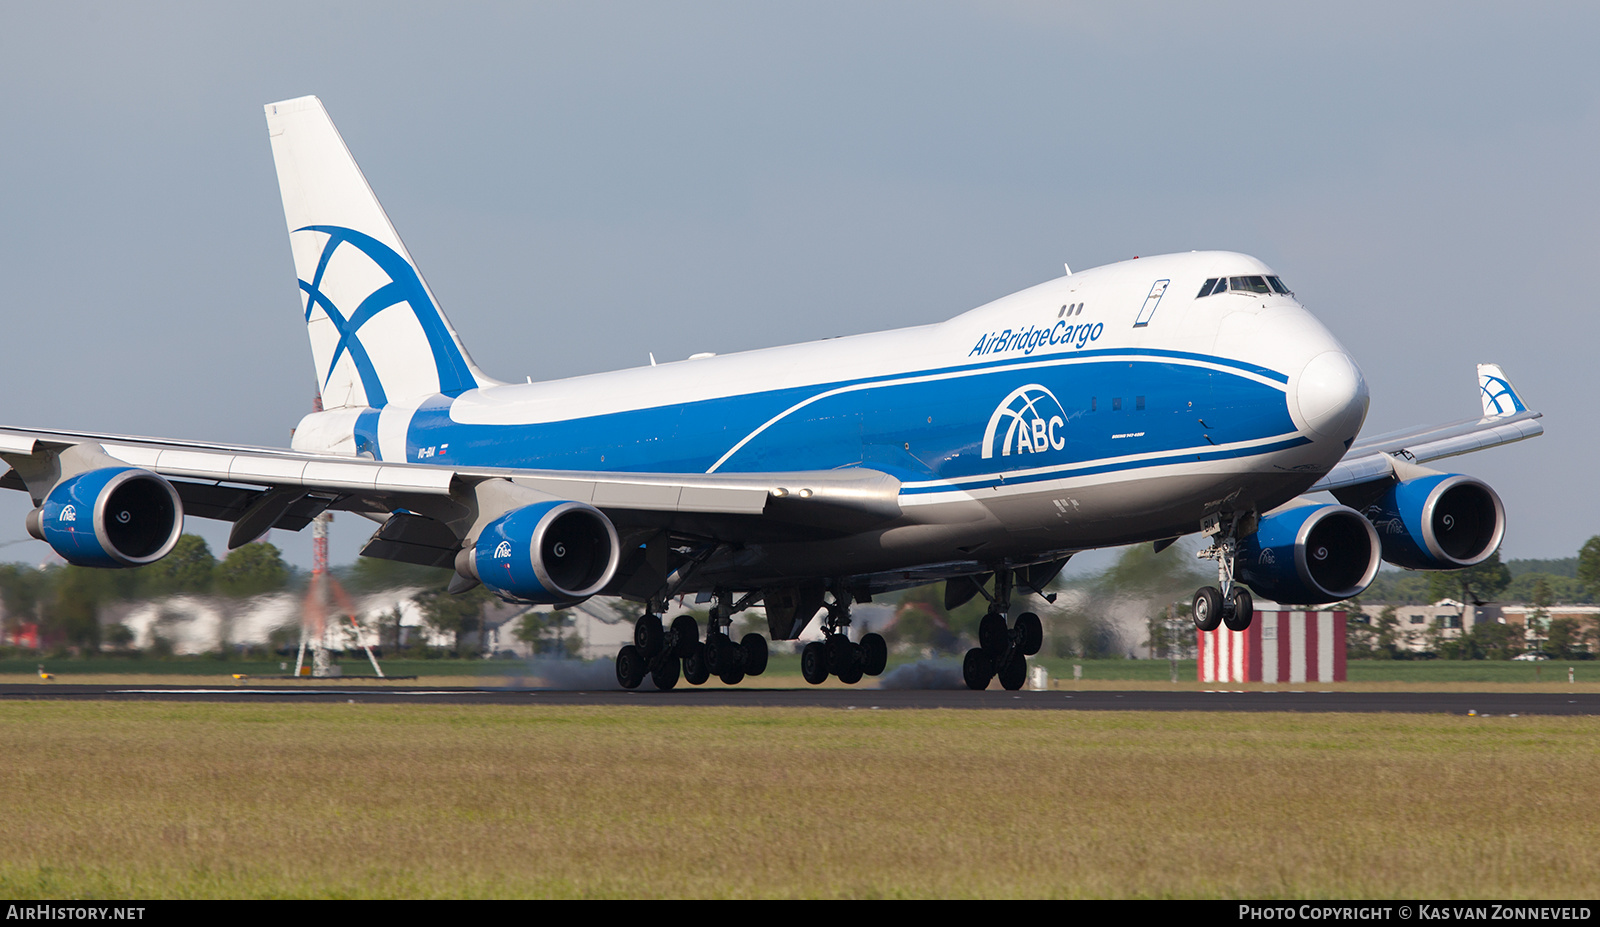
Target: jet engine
[[1310, 555], [545, 553], [111, 517], [1442, 522]]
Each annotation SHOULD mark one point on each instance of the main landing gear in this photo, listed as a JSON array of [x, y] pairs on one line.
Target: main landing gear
[[670, 653], [1002, 651], [1231, 606], [836, 654]]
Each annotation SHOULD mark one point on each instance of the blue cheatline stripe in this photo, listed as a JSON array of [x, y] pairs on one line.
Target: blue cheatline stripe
[[405, 286], [772, 432], [988, 481]]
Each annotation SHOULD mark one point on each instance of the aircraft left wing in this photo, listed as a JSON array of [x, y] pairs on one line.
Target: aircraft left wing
[[428, 511], [1506, 418]]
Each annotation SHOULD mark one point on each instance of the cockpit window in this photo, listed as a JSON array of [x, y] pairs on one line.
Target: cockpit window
[[1251, 284]]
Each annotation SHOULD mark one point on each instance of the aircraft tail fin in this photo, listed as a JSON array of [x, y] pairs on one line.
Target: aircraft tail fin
[[1499, 396], [377, 334]]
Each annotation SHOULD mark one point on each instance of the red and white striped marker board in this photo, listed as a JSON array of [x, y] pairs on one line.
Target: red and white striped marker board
[[1279, 646]]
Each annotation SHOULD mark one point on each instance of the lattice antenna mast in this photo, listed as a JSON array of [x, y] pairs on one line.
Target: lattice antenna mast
[[314, 627]]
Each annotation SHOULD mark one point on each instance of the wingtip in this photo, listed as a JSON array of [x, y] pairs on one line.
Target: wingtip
[[1499, 397]]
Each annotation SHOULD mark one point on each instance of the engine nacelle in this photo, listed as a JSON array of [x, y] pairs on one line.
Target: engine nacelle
[[546, 553], [1310, 555], [112, 517], [1441, 522]]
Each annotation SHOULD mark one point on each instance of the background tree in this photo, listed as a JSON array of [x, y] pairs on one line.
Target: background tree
[[23, 590], [1472, 585], [542, 631], [1568, 639], [1170, 633], [254, 569], [190, 568], [1538, 628], [456, 615], [71, 614], [1589, 566], [1386, 645], [370, 574]]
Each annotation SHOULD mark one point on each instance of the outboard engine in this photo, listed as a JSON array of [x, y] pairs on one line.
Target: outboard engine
[[1310, 555], [545, 553], [112, 517], [1441, 522]]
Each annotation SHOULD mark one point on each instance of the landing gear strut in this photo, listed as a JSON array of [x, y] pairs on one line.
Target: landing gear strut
[[836, 654], [1002, 651], [1232, 605]]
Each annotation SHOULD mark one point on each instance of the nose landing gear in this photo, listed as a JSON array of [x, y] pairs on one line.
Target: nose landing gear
[[1232, 606]]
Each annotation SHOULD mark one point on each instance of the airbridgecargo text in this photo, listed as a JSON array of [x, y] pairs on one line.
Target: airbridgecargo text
[[1028, 339], [1422, 912]]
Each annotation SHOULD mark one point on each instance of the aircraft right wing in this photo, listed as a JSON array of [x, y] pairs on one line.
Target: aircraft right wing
[[1506, 418]]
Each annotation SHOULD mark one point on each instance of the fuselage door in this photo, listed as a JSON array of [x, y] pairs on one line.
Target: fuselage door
[[1149, 308]]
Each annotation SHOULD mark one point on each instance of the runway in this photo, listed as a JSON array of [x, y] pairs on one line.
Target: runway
[[1456, 703]]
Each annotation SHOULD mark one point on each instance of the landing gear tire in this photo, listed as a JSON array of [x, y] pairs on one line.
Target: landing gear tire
[[1207, 608], [814, 663], [755, 654], [977, 669], [686, 633], [732, 675], [1243, 608], [1030, 633], [838, 651], [665, 676], [695, 671], [721, 653], [1014, 673], [648, 635], [850, 668], [992, 634], [630, 667], [874, 654]]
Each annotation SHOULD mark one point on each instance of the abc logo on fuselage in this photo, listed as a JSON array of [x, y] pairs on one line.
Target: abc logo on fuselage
[[1028, 421]]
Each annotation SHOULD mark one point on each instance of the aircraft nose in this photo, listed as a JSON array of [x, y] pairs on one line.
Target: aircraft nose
[[1332, 396]]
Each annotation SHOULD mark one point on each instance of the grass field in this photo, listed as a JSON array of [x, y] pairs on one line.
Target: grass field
[[140, 800]]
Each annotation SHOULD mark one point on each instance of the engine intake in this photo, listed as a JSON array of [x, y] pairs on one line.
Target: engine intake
[[545, 553], [1442, 522], [1310, 555], [112, 517]]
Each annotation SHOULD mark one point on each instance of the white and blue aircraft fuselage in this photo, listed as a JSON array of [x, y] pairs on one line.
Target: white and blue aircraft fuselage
[[1139, 401]]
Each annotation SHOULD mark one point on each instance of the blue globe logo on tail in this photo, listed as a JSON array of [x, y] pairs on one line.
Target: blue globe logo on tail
[[403, 286]]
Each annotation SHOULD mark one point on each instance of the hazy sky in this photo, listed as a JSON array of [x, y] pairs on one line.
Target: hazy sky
[[585, 183]]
